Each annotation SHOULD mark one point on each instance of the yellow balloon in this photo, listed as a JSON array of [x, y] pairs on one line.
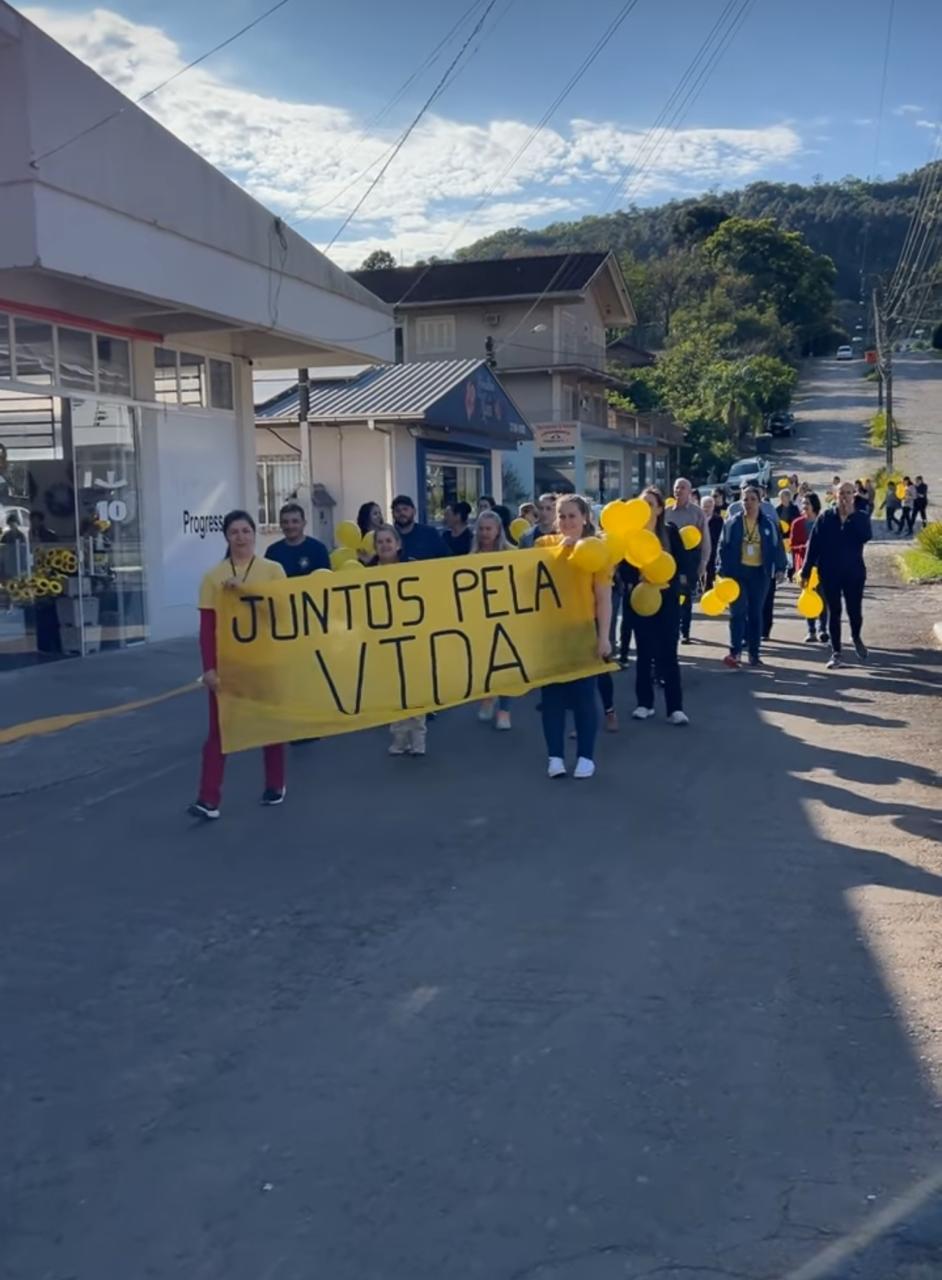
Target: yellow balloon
[[691, 536], [642, 547], [784, 526], [814, 578], [683, 599], [590, 555], [348, 534], [341, 556], [519, 527], [614, 545], [783, 482], [321, 573], [901, 491], [352, 566], [368, 542], [646, 599], [711, 604], [670, 503], [727, 589], [661, 570], [810, 604]]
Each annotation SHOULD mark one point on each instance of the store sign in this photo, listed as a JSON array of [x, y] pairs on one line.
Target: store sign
[[555, 437]]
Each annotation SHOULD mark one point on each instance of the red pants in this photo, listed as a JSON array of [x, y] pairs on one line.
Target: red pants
[[214, 762]]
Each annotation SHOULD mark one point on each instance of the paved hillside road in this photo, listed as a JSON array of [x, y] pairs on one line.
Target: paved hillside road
[[442, 1019]]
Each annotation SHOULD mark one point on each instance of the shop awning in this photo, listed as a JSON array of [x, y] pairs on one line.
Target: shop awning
[[462, 398]]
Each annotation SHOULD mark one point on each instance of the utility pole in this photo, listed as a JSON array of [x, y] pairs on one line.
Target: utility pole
[[884, 338], [304, 437]]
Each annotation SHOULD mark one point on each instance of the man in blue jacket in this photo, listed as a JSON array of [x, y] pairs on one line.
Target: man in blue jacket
[[835, 549], [751, 551]]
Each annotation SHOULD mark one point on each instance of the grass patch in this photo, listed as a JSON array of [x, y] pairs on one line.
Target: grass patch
[[917, 565]]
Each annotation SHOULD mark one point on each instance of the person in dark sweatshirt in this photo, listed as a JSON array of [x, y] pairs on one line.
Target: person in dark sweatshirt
[[835, 549], [419, 541]]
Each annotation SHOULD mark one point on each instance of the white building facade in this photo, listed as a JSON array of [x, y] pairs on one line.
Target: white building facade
[[139, 287]]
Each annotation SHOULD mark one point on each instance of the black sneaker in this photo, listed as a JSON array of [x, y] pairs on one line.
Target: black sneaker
[[811, 638], [200, 809], [685, 640], [863, 653], [824, 638], [270, 796]]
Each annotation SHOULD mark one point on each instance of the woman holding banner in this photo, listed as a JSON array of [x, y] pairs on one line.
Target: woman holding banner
[[409, 735], [490, 534], [572, 515], [241, 567]]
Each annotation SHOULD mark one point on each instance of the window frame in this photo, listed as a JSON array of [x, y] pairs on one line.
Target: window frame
[[208, 358], [263, 465], [423, 323], [56, 385]]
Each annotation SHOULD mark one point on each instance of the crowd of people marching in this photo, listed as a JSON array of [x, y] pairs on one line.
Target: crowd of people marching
[[748, 547]]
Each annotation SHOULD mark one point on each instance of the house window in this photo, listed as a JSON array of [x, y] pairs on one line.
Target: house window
[[181, 378], [278, 480], [76, 362], [33, 348], [569, 403], [435, 335], [220, 384], [114, 365], [62, 355]]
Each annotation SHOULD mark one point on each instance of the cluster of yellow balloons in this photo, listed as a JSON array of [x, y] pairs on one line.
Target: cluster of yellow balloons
[[809, 604], [351, 544], [724, 592]]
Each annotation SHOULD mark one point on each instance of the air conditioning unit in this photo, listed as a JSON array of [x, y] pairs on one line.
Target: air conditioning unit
[[492, 318]]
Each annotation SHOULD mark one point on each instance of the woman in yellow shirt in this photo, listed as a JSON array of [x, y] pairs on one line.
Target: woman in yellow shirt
[[240, 567]]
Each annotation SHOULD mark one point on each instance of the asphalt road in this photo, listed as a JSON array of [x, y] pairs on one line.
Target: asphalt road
[[443, 1019]]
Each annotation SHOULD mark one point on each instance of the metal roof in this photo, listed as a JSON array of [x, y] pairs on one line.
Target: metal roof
[[524, 277], [384, 391]]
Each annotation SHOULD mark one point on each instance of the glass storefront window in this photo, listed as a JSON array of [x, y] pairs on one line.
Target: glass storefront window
[[35, 357], [448, 480], [114, 366], [76, 362], [602, 479], [72, 568]]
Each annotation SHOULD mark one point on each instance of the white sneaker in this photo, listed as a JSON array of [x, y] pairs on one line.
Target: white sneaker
[[502, 721], [834, 662], [678, 717], [556, 768], [642, 713], [584, 768], [486, 710]]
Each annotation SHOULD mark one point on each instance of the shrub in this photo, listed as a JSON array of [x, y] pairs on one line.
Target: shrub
[[876, 431], [930, 538]]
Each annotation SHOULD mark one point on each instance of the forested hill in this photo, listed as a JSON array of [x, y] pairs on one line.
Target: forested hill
[[836, 218]]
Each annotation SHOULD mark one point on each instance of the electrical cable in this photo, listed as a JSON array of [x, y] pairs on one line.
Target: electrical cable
[[223, 44], [404, 137]]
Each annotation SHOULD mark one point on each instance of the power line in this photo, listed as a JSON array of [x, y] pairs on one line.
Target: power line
[[436, 92], [83, 133]]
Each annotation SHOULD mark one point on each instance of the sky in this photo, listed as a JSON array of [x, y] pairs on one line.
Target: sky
[[305, 109]]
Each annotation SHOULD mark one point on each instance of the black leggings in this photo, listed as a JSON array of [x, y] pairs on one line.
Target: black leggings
[[852, 590], [657, 649]]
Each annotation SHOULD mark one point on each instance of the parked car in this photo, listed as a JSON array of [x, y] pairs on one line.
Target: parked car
[[782, 424], [745, 472], [844, 353]]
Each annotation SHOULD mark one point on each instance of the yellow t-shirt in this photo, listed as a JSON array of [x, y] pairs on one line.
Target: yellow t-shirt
[[258, 570], [751, 546]]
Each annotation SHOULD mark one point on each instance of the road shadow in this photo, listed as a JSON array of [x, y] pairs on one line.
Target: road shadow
[[443, 1018]]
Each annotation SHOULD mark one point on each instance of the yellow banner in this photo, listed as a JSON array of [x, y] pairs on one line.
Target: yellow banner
[[334, 652]]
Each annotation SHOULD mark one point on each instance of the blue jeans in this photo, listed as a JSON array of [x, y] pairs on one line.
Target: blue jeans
[[745, 622], [581, 696]]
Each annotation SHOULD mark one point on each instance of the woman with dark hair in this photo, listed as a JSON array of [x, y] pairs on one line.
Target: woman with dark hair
[[800, 536], [752, 552], [370, 516], [715, 520], [240, 568], [657, 636], [491, 536], [578, 695], [505, 518]]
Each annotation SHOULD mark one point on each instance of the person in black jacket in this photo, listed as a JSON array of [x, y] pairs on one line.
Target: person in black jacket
[[835, 549], [657, 636]]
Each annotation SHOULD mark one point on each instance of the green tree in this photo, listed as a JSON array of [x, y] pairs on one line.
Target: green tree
[[378, 260]]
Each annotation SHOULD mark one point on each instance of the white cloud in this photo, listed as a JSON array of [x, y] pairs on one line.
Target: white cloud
[[311, 161], [864, 122], [928, 124], [908, 109]]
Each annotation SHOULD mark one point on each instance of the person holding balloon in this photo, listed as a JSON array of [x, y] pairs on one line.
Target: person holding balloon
[[369, 519], [408, 737], [751, 553], [589, 553], [490, 535], [655, 610], [685, 513]]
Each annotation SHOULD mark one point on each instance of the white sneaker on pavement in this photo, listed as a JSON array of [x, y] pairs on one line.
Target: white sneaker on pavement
[[556, 768], [642, 713], [678, 717], [584, 768]]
